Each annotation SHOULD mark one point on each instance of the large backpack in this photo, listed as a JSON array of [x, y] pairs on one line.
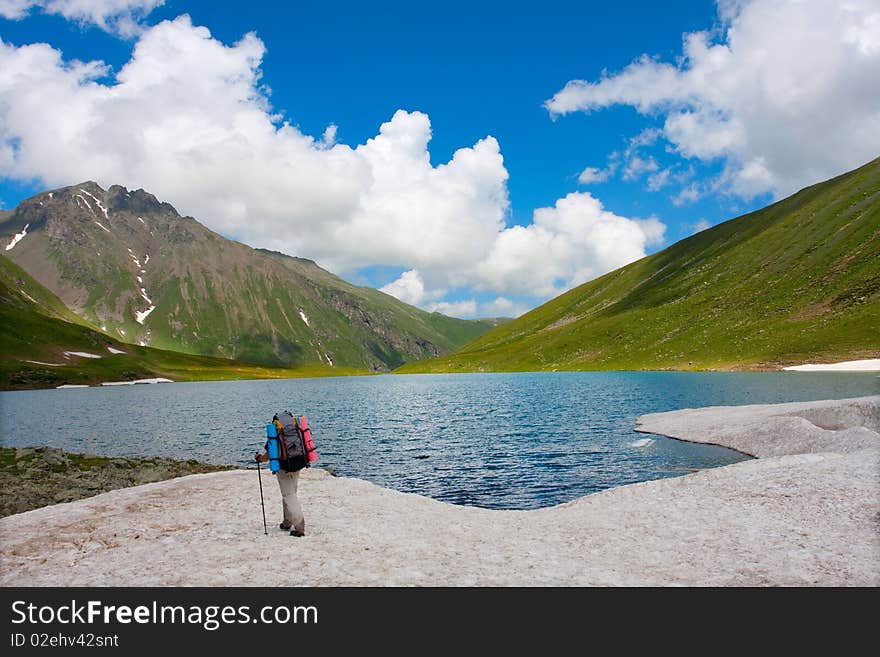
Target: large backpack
[[293, 456]]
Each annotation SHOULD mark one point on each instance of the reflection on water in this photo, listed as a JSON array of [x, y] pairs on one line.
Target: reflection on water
[[520, 441]]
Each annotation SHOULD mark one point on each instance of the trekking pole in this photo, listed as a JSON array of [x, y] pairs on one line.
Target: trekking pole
[[262, 503]]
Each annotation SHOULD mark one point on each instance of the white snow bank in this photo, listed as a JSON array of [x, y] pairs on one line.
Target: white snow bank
[[115, 351], [766, 430], [18, 237], [329, 360], [131, 383], [801, 519], [82, 354], [139, 316], [102, 226], [38, 362], [303, 317], [868, 365], [70, 385]]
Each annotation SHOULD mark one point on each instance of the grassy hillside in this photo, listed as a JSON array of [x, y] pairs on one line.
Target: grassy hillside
[[133, 267], [36, 326], [798, 281]]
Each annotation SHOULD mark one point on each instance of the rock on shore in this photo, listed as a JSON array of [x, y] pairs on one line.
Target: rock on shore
[[31, 477], [806, 517]]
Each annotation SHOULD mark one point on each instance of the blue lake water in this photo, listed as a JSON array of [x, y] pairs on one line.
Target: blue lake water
[[516, 441]]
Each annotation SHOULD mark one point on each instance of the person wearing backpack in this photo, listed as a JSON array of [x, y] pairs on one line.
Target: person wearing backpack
[[293, 458]]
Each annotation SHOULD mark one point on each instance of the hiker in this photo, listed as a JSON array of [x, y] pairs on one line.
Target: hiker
[[288, 480]]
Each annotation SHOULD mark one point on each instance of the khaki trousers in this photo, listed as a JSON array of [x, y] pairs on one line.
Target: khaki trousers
[[293, 515]]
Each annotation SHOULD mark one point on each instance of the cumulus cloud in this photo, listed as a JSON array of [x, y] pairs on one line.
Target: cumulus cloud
[[570, 243], [573, 241], [784, 94], [188, 119], [409, 288], [121, 17]]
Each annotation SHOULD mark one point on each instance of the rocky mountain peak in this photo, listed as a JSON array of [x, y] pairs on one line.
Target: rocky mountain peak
[[138, 201]]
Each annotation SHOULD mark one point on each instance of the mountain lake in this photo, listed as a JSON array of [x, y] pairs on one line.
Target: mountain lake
[[495, 440]]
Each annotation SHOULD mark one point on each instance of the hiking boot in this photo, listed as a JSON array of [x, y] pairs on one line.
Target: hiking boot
[[284, 526], [299, 529], [296, 532]]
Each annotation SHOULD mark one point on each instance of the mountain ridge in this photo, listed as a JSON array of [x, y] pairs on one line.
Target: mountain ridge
[[132, 266]]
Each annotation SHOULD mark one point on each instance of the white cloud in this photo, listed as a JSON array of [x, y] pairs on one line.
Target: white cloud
[[593, 175], [568, 244], [409, 288], [787, 94], [15, 9], [503, 307], [187, 119], [659, 180], [121, 17], [637, 166], [466, 308], [700, 226], [689, 194]]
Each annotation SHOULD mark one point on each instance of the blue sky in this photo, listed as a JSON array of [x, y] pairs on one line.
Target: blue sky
[[479, 69]]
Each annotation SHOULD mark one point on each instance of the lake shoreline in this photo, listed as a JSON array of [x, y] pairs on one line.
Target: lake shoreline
[[864, 365], [38, 476], [803, 513]]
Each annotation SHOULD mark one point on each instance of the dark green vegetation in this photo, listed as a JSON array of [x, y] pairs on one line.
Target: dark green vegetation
[[31, 477], [798, 281], [36, 326], [111, 255]]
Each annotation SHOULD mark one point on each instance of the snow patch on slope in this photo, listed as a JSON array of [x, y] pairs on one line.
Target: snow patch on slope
[[95, 198], [867, 365], [18, 237], [29, 297], [82, 198], [82, 354], [139, 316], [303, 317]]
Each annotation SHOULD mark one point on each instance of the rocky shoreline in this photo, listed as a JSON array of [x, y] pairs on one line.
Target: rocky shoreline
[[34, 477]]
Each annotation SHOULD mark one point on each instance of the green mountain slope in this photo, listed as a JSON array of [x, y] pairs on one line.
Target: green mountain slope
[[798, 281], [42, 342], [133, 267]]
